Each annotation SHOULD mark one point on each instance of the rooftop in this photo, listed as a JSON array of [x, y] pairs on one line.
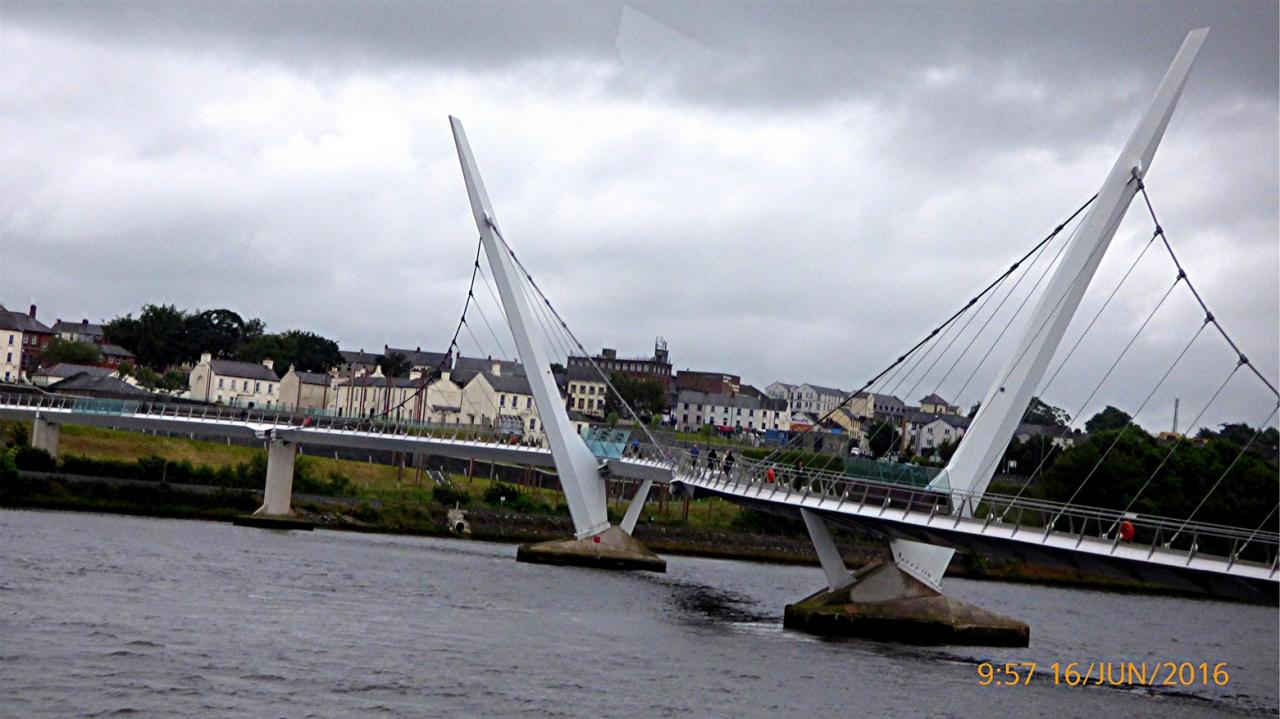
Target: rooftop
[[246, 370], [21, 322]]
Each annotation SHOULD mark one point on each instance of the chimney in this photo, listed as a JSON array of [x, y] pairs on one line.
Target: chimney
[[444, 375], [497, 367], [268, 363], [206, 357], [32, 312], [415, 373], [84, 322]]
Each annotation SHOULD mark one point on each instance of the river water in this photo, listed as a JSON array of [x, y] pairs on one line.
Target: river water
[[104, 615]]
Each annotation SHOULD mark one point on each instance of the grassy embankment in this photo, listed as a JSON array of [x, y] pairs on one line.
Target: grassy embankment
[[386, 486], [379, 497]]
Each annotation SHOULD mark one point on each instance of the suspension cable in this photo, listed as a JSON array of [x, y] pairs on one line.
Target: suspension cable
[[1142, 187], [1240, 454], [1178, 442], [608, 382], [1124, 430], [1012, 268]]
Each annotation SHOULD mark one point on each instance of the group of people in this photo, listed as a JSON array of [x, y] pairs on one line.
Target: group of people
[[714, 463]]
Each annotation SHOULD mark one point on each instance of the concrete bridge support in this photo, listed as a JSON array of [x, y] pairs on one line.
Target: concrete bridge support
[[885, 602], [276, 511], [278, 495], [45, 435]]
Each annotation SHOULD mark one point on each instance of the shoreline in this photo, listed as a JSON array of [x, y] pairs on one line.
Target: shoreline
[[53, 492]]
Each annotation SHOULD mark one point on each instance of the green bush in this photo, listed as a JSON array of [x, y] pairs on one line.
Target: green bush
[[498, 492], [8, 467], [34, 460], [450, 496]]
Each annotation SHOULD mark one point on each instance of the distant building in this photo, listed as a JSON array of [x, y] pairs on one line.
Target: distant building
[[113, 356], [240, 384], [933, 404], [376, 395], [694, 410], [80, 331], [586, 391], [357, 363], [86, 384], [709, 382], [810, 398], [426, 362], [926, 431], [304, 390], [1061, 437], [487, 364], [780, 390], [656, 368], [22, 342], [65, 370], [884, 407]]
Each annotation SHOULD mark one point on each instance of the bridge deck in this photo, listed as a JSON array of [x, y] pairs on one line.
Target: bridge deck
[[1206, 558]]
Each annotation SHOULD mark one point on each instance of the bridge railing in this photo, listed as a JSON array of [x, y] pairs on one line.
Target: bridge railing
[[274, 418], [1020, 514]]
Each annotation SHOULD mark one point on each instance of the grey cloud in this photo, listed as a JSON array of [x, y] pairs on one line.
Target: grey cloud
[[793, 192]]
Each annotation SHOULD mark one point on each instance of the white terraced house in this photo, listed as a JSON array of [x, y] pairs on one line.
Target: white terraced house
[[239, 384]]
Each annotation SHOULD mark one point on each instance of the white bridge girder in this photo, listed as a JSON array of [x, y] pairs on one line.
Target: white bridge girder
[[975, 460], [584, 489]]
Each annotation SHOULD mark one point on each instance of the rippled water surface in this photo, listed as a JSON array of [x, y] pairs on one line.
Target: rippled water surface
[[104, 615]]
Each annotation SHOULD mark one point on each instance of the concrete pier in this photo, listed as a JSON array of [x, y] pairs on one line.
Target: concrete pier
[[611, 549], [276, 511], [886, 603], [45, 435]]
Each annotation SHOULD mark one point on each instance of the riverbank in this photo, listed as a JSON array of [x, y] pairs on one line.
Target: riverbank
[[50, 491]]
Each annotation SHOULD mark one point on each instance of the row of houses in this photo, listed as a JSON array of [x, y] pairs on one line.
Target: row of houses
[[467, 391], [23, 340]]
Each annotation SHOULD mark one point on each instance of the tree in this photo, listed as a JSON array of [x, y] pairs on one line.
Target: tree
[[1039, 412], [1108, 418], [70, 351], [883, 439], [394, 364], [157, 337], [217, 332], [973, 411], [646, 396], [305, 351], [1262, 442]]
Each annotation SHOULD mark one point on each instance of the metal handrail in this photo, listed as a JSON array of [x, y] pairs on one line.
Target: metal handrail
[[743, 475]]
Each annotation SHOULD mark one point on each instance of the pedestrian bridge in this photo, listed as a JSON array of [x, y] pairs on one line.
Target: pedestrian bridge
[[1201, 558]]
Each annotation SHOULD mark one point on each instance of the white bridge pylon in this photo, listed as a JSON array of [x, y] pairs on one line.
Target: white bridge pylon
[[584, 489], [971, 468]]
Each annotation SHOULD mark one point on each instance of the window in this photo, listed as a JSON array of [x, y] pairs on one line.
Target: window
[[246, 385], [579, 403], [219, 383], [10, 339], [533, 424], [270, 388], [257, 386], [528, 403], [502, 400], [9, 358]]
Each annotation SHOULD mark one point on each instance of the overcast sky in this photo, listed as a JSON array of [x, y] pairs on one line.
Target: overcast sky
[[787, 192]]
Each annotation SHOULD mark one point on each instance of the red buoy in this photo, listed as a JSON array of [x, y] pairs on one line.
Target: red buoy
[[769, 475], [1126, 530]]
